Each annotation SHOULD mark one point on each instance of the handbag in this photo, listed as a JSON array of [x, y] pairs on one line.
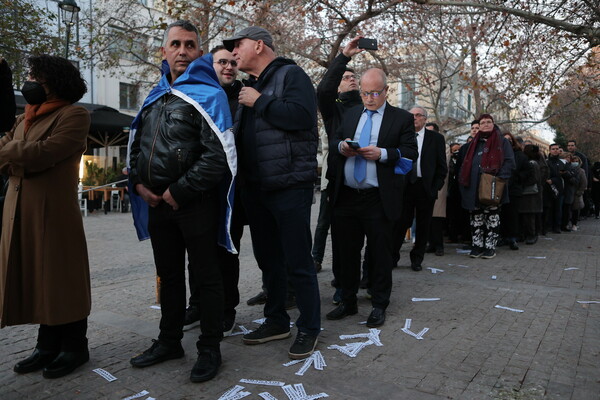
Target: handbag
[[531, 189], [490, 189]]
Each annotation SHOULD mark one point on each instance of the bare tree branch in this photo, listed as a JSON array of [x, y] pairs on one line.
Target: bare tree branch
[[585, 31]]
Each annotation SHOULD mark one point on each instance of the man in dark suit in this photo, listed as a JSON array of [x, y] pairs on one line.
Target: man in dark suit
[[367, 194], [424, 181]]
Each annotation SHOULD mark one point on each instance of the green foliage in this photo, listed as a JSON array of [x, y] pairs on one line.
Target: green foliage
[[560, 139], [26, 29], [97, 176]]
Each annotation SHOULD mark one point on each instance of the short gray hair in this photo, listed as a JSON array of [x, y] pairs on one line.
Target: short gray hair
[[183, 24], [420, 108]]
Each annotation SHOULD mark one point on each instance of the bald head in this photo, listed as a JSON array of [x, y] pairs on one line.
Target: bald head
[[374, 74], [373, 88]]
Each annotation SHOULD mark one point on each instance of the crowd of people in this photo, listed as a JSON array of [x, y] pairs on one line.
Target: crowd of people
[[209, 154], [543, 194]]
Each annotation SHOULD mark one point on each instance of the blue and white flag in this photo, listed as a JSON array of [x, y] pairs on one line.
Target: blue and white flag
[[198, 86]]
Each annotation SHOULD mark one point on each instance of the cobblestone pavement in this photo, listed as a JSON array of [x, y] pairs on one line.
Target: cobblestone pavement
[[472, 350]]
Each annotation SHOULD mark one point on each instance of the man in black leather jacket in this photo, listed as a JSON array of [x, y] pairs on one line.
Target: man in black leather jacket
[[176, 162]]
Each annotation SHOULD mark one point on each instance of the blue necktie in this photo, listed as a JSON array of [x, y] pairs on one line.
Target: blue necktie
[[360, 164]]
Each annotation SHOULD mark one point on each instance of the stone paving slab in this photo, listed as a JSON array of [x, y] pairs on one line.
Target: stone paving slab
[[471, 351]]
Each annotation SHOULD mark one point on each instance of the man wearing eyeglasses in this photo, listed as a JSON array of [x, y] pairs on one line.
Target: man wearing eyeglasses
[[226, 69], [337, 93], [367, 196], [276, 137], [424, 181]]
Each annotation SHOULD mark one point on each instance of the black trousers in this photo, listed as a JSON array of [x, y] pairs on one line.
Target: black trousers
[[457, 217], [69, 337], [229, 264], [528, 224], [436, 233], [416, 203], [566, 215], [509, 219], [359, 214], [192, 228], [281, 239]]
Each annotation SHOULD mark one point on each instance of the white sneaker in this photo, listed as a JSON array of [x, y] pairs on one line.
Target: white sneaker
[[574, 228]]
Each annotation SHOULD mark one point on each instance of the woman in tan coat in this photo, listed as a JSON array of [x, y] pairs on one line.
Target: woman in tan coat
[[44, 271]]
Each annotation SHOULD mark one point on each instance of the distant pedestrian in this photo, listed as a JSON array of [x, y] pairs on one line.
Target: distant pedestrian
[[578, 201], [595, 173], [509, 216], [531, 203]]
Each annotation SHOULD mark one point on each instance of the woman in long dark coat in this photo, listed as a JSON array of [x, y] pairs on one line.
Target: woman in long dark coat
[[531, 203], [509, 217], [595, 173], [44, 271]]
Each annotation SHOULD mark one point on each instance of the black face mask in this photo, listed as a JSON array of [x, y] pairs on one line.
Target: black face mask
[[33, 92]]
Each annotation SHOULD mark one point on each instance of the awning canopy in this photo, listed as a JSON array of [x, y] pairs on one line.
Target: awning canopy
[[109, 127]]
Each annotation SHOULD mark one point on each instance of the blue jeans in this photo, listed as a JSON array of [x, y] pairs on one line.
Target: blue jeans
[[280, 228]]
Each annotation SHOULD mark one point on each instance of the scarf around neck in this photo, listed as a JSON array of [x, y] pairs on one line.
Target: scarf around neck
[[34, 111], [492, 159]]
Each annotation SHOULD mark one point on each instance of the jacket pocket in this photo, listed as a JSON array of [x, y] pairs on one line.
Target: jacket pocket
[[184, 159]]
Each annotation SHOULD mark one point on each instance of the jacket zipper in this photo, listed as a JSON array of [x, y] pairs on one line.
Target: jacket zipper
[[155, 137]]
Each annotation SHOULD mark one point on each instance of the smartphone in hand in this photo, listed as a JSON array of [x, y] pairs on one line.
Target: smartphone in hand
[[353, 144], [367, 44]]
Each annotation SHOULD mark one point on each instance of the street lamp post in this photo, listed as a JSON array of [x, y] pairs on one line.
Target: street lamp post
[[69, 9]]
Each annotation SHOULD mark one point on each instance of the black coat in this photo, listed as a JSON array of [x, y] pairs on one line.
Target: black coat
[[397, 132], [7, 98], [521, 176], [175, 148], [533, 203], [333, 105], [277, 139], [434, 167]]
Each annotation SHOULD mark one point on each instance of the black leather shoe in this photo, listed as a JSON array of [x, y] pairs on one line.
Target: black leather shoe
[[342, 311], [514, 246], [157, 353], [36, 361], [439, 252], [364, 282], [416, 267], [531, 240], [260, 298], [207, 365], [65, 363], [376, 318], [192, 316]]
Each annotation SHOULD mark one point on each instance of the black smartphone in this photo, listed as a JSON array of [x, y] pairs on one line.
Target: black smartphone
[[353, 144], [367, 44]]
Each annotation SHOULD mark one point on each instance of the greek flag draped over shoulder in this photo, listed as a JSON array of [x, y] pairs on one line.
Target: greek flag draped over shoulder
[[200, 87]]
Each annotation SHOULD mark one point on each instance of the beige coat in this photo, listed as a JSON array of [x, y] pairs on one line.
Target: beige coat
[[439, 208], [44, 271]]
